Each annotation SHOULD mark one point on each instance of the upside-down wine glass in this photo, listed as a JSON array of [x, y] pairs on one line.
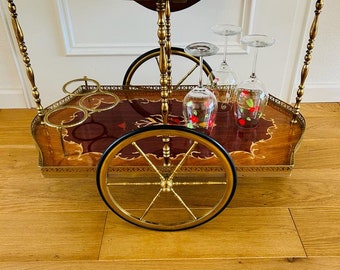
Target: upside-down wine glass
[[223, 80], [200, 104], [251, 95]]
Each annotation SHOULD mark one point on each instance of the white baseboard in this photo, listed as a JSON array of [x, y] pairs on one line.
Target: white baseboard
[[320, 92], [10, 99]]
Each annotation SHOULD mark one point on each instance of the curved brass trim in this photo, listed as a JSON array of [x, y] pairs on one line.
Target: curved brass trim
[[61, 124], [86, 89]]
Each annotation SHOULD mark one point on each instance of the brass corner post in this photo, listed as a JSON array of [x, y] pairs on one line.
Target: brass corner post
[[305, 69], [168, 43], [23, 50], [161, 33], [163, 9]]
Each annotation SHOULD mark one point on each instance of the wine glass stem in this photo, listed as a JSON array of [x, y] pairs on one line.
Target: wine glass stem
[[225, 50], [254, 63], [200, 84]]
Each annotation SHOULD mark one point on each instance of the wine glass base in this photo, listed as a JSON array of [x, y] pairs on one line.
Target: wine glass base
[[226, 29], [257, 41], [201, 49]]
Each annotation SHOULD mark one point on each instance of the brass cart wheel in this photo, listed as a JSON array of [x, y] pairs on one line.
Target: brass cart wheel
[[138, 184], [147, 63]]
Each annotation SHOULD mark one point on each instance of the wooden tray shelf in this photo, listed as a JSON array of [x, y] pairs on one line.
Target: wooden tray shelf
[[75, 151]]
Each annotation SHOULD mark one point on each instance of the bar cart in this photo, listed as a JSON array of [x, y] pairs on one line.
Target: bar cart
[[152, 170]]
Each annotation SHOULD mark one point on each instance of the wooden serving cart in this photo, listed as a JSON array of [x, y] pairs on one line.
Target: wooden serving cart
[[150, 170]]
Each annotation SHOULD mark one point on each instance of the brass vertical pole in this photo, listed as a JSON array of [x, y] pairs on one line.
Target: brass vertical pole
[[162, 5], [305, 69], [23, 50], [168, 43]]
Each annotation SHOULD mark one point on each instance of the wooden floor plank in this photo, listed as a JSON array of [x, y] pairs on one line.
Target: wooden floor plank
[[315, 153], [19, 161], [50, 235], [318, 128], [243, 232], [52, 194], [322, 109], [313, 263], [319, 229], [23, 188], [302, 189], [15, 128]]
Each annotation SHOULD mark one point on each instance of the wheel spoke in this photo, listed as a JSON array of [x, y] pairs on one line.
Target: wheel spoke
[[157, 60], [133, 184], [186, 76], [150, 205], [199, 183], [184, 204], [148, 160], [183, 159]]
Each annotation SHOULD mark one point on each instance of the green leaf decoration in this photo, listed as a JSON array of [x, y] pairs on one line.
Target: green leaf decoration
[[250, 102]]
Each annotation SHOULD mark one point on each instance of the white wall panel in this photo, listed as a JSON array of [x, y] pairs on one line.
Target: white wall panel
[[126, 28]]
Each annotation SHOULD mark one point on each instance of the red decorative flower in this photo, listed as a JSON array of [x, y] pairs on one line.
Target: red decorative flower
[[241, 121], [245, 92], [254, 109], [194, 119]]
